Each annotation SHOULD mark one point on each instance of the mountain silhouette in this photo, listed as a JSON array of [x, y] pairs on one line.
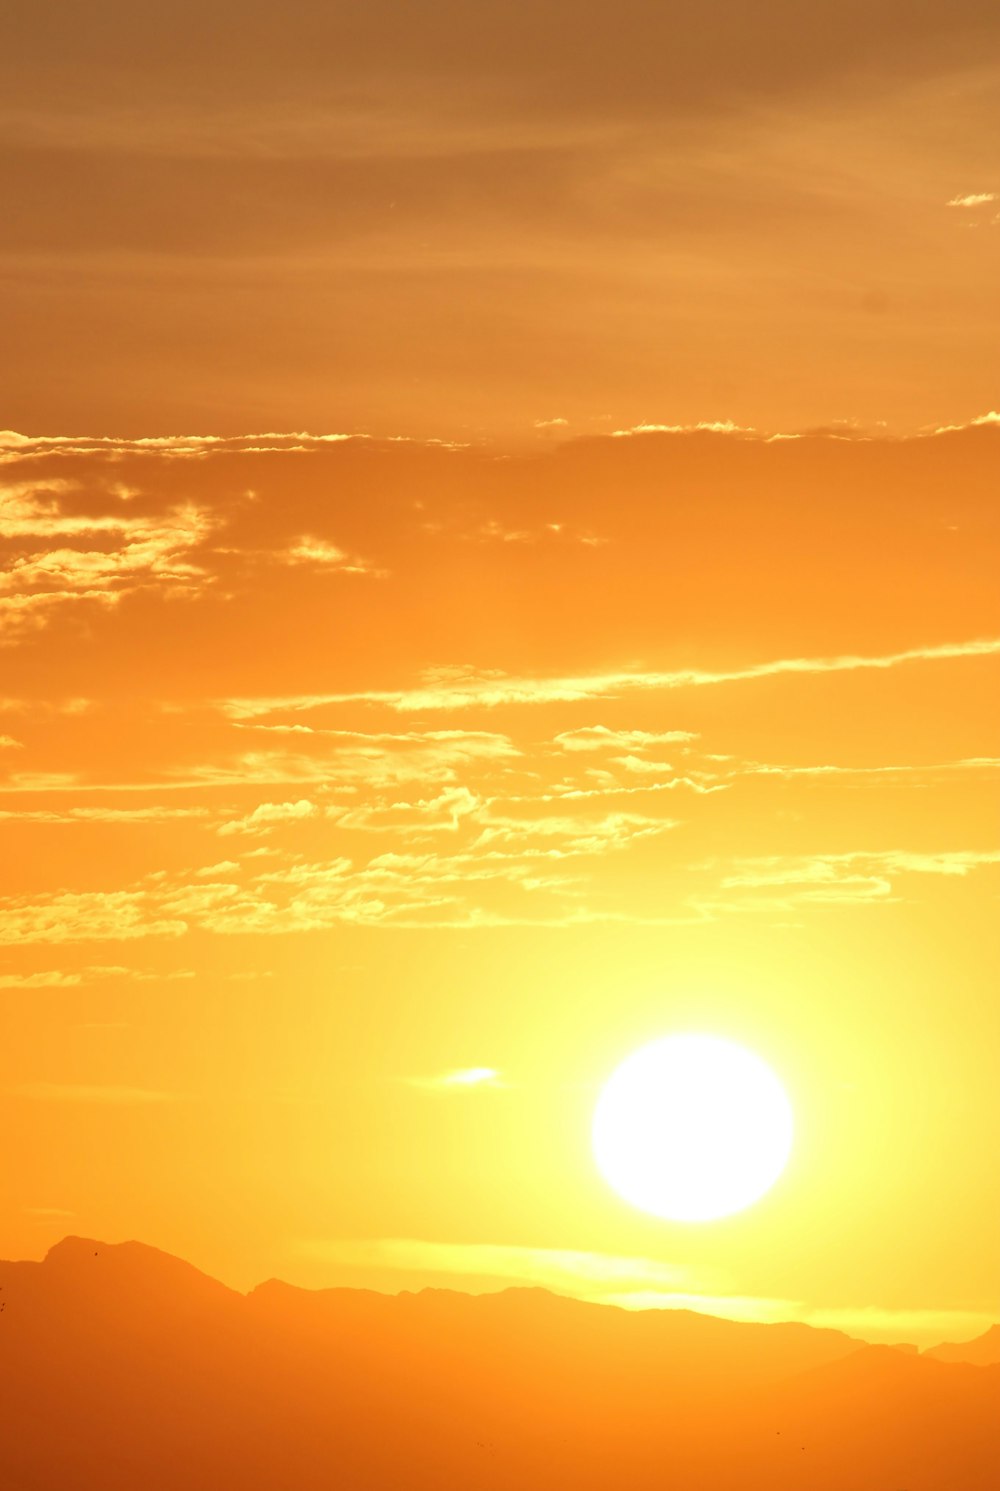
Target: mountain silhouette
[[123, 1368], [983, 1351]]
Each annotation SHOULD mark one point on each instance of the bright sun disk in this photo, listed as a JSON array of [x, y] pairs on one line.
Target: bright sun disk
[[692, 1127]]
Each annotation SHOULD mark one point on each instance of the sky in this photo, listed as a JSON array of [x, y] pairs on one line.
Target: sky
[[570, 617], [463, 219]]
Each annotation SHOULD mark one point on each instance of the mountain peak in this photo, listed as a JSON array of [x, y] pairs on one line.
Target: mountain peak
[[133, 1266], [72, 1248]]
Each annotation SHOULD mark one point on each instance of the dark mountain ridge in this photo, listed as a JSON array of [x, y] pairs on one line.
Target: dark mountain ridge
[[122, 1368]]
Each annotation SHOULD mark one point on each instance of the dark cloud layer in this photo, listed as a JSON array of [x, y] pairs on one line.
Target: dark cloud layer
[[449, 218], [637, 56]]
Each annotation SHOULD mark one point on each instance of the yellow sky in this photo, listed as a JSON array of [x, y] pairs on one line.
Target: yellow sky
[[335, 768]]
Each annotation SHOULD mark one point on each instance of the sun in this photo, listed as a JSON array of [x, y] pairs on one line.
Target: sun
[[692, 1127]]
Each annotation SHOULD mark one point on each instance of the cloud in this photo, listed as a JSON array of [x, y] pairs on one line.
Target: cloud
[[45, 708], [855, 877], [992, 417], [778, 869], [974, 199], [20, 615], [60, 979], [137, 551], [17, 447], [586, 140], [445, 812], [634, 1283], [378, 761], [318, 553], [561, 1269], [494, 867], [453, 689], [639, 766], [921, 770], [267, 815], [950, 862], [566, 836], [815, 881], [601, 737], [900, 1324], [493, 529], [82, 916], [466, 828], [601, 783], [507, 872], [463, 1080], [708, 426], [48, 979]]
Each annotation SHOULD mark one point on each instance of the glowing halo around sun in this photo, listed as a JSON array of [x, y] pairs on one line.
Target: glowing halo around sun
[[692, 1127]]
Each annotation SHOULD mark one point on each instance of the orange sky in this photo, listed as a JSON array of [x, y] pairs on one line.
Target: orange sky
[[508, 720], [333, 768]]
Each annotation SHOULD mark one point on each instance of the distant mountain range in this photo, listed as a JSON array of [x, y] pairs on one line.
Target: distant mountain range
[[125, 1369], [984, 1351]]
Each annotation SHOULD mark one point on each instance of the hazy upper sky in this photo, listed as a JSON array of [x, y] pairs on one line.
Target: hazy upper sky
[[457, 219]]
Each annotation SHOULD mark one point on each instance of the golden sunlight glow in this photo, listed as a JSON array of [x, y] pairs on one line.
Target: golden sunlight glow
[[692, 1128]]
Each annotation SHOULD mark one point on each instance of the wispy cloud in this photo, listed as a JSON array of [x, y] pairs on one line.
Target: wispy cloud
[[561, 1269], [57, 978], [453, 689], [49, 568], [925, 771], [84, 916], [795, 869], [346, 758], [706, 426], [320, 554], [17, 447], [877, 1322], [52, 978], [602, 738], [854, 877], [633, 1283], [267, 815], [464, 1080]]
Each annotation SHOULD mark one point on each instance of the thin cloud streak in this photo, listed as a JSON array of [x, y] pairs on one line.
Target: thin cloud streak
[[556, 1268], [489, 690], [631, 1283], [467, 1079]]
